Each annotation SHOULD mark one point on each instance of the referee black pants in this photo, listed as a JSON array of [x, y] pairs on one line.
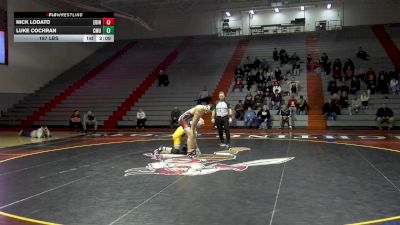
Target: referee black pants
[[223, 124]]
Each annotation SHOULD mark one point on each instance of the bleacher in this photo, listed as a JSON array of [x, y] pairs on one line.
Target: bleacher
[[262, 47], [104, 93], [202, 63], [32, 102], [344, 44]]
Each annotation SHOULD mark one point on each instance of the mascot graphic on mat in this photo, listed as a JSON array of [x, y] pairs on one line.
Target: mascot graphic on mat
[[173, 164]]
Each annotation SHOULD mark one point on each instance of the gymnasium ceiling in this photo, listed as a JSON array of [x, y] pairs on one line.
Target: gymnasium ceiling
[[138, 10]]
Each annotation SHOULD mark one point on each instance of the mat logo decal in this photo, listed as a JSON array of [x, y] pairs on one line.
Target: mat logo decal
[[170, 164]]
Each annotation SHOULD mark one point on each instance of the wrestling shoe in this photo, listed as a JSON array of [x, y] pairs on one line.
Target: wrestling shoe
[[194, 153], [198, 152], [222, 145], [159, 150]]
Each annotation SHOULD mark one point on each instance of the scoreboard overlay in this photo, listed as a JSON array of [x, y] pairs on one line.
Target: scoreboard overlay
[[64, 27]]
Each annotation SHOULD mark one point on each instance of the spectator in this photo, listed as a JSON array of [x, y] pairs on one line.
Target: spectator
[[264, 65], [355, 105], [292, 105], [276, 100], [238, 84], [302, 109], [239, 72], [332, 87], [257, 106], [394, 86], [294, 58], [163, 79], [250, 118], [325, 64], [239, 109], [277, 88], [286, 117], [362, 54], [384, 115], [269, 74], [317, 67], [336, 73], [260, 80], [348, 73], [278, 74], [259, 98], [248, 101], [286, 58], [282, 53], [326, 67], [335, 101], [360, 73], [349, 63], [309, 62], [354, 85], [41, 132], [293, 86], [249, 81], [275, 55], [344, 100], [370, 80], [338, 64], [296, 68], [257, 63], [329, 111], [175, 114], [324, 58], [364, 99], [343, 86], [140, 119], [89, 120], [337, 70], [248, 62], [2, 114], [382, 86], [75, 121], [264, 118], [204, 96]]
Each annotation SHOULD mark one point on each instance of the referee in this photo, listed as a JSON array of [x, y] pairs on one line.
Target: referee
[[221, 116]]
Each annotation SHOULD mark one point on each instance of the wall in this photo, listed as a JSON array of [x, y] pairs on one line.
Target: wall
[[359, 12], [168, 25], [31, 65], [351, 12]]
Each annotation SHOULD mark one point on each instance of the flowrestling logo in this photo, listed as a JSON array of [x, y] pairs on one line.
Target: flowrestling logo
[[171, 164]]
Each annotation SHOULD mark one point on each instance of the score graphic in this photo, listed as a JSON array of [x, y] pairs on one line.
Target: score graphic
[[108, 25], [64, 27]]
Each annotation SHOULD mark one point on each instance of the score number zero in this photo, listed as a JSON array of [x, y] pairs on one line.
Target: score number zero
[[98, 30]]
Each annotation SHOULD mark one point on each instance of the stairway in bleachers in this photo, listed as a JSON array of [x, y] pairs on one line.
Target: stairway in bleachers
[[316, 120]]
